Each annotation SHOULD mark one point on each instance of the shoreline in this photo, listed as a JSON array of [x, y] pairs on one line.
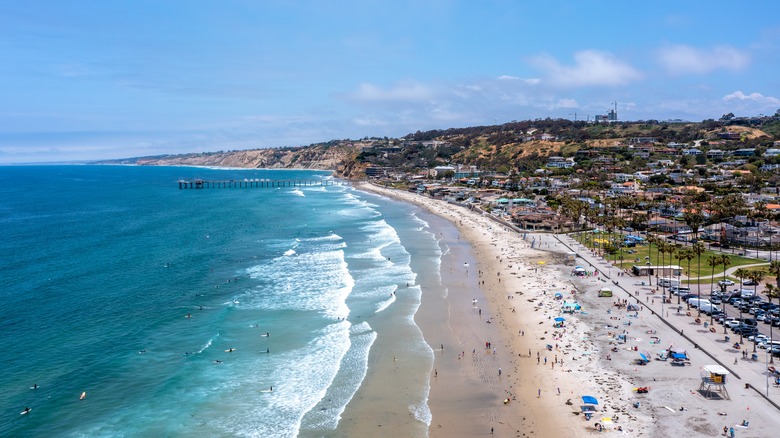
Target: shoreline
[[546, 370], [472, 403]]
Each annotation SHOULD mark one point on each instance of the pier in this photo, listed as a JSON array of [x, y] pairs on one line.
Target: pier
[[259, 183]]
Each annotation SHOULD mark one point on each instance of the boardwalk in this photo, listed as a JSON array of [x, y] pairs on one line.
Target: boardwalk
[[259, 183]]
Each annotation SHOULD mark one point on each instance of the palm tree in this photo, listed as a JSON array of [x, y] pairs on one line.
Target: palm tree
[[687, 254], [771, 291], [661, 248], [756, 277], [713, 261], [697, 249], [741, 273], [774, 269], [671, 249], [724, 260], [650, 241]]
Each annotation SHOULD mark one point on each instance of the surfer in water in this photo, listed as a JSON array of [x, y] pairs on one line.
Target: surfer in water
[[35, 386], [26, 410]]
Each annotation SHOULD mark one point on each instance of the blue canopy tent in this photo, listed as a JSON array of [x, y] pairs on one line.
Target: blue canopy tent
[[590, 400], [588, 409]]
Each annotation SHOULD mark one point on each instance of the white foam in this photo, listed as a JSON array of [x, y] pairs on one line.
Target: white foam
[[297, 192], [208, 344], [386, 303]]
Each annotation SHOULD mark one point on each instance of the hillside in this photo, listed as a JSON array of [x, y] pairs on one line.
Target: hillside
[[521, 146]]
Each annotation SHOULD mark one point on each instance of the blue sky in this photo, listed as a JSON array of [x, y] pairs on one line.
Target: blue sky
[[98, 79]]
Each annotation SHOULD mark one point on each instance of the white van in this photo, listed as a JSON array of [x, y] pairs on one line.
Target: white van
[[668, 282], [696, 302], [709, 308]]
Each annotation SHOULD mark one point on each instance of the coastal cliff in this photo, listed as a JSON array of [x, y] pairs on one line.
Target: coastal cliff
[[338, 157]]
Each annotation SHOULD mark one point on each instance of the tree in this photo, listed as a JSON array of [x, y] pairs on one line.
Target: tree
[[697, 249], [756, 277], [687, 254], [741, 273], [771, 291], [774, 269], [671, 250], [713, 261], [724, 260]]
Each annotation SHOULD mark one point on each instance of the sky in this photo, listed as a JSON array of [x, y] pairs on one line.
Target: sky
[[93, 79]]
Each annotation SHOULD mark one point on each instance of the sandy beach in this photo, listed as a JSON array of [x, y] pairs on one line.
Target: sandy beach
[[530, 379]]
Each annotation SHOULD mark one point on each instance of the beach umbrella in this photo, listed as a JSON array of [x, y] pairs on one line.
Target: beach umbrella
[[558, 295], [560, 319], [540, 262], [590, 400]]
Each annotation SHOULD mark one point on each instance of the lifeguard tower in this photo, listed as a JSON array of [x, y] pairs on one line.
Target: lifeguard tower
[[713, 380]]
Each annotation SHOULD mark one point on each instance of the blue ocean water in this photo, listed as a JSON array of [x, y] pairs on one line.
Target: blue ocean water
[[156, 301]]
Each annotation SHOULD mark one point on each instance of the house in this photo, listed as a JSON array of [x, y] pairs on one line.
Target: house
[[692, 151], [714, 154], [438, 171], [638, 140], [744, 152], [560, 162], [772, 152]]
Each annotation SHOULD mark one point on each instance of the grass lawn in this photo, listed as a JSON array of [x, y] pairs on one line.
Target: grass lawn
[[641, 254]]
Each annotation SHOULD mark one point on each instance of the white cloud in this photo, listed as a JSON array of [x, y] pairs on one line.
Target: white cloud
[[681, 59], [405, 92], [529, 81], [591, 68], [567, 103], [753, 97]]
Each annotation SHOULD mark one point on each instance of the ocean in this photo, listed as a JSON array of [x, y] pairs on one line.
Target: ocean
[[211, 312]]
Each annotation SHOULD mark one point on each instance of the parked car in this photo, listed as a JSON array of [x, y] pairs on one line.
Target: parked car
[[758, 338], [745, 330], [731, 322], [748, 282], [726, 282]]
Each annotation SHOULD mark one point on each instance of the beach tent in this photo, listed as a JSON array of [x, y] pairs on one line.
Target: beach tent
[[571, 307], [643, 358], [589, 400], [558, 295], [588, 409], [605, 292]]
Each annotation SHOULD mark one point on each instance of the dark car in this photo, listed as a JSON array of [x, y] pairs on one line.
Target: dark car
[[745, 330]]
